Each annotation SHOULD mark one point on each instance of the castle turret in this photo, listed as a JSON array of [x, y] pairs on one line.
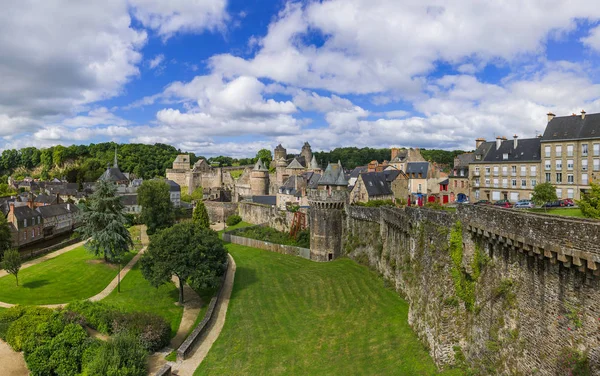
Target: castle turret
[[259, 179], [306, 153], [314, 165], [280, 153], [327, 214]]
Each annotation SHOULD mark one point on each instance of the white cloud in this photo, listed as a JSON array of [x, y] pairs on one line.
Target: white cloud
[[380, 46], [158, 59], [177, 16]]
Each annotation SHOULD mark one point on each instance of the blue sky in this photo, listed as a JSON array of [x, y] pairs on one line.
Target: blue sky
[[231, 77]]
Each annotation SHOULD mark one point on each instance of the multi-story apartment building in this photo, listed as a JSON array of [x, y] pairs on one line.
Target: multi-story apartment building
[[570, 151], [505, 169]]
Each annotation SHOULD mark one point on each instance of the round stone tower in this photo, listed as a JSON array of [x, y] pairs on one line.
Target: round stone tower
[[259, 179], [327, 204], [306, 153], [280, 153]]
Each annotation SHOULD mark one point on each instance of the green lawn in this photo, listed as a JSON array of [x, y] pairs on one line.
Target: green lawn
[[239, 225], [74, 275], [291, 316], [137, 295], [568, 212]]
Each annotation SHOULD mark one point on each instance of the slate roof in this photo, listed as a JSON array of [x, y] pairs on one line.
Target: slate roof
[[417, 168], [313, 181], [333, 175], [528, 150], [173, 187], [289, 186], [482, 150], [464, 159], [402, 154], [53, 210], [358, 170], [24, 212], [113, 174], [444, 182], [265, 200], [572, 128], [47, 199], [376, 184], [314, 164], [295, 165], [391, 175]]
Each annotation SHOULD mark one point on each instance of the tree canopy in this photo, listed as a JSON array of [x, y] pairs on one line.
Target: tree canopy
[[103, 223], [5, 235], [264, 155], [543, 193], [193, 254], [590, 202], [200, 216], [12, 263], [157, 209]]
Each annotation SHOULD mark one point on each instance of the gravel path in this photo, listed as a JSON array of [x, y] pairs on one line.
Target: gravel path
[[188, 366], [12, 362]]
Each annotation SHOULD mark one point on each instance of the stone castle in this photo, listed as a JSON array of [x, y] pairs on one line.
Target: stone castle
[[259, 180]]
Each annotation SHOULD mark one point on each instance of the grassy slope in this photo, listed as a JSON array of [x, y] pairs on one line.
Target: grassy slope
[[74, 275], [568, 212], [291, 316], [137, 295]]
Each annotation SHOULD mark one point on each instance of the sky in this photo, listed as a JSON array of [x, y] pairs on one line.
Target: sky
[[229, 77]]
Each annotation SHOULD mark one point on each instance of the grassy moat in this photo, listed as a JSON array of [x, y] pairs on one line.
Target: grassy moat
[[291, 316]]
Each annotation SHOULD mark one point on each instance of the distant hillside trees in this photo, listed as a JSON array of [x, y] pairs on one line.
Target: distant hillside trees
[[352, 157]]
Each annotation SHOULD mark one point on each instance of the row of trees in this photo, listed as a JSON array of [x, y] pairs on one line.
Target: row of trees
[[352, 157]]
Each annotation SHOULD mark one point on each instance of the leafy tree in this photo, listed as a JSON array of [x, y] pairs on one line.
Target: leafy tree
[[12, 263], [543, 193], [265, 155], [46, 159], [193, 254], [590, 202], [157, 209], [122, 355], [200, 216], [58, 155], [103, 223], [5, 235]]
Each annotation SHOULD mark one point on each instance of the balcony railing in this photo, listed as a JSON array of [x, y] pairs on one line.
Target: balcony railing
[[496, 173], [504, 185], [514, 173], [476, 185], [532, 173], [475, 173], [496, 186]]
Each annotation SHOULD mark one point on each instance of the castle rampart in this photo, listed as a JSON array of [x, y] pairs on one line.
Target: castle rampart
[[513, 293]]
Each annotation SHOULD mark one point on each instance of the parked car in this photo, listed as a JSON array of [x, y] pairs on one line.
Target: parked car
[[553, 204], [503, 204], [524, 204], [568, 202], [482, 202], [463, 201]]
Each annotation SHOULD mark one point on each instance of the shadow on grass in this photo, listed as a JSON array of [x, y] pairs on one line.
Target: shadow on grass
[[35, 284], [244, 277]]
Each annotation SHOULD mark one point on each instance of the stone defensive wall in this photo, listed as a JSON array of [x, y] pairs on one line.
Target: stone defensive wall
[[259, 214], [495, 290], [219, 211]]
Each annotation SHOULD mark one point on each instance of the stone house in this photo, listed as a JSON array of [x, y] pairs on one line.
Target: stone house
[[371, 186], [401, 156], [570, 150], [58, 218], [294, 190], [459, 177], [130, 204], [505, 170], [26, 224]]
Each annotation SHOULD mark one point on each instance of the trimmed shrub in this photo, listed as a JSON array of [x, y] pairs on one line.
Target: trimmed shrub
[[97, 315], [233, 220], [23, 329], [122, 355], [61, 355], [152, 330], [303, 239]]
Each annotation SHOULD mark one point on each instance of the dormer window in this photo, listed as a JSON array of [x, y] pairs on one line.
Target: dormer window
[[505, 156], [478, 157]]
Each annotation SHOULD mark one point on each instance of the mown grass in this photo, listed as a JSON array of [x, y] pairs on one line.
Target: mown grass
[[135, 232], [291, 316], [138, 295], [567, 212], [74, 275], [239, 225]]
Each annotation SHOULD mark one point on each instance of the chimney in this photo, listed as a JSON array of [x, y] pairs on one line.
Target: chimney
[[503, 138], [498, 142], [395, 152], [11, 209], [515, 142], [478, 142], [582, 114], [550, 116], [58, 198]]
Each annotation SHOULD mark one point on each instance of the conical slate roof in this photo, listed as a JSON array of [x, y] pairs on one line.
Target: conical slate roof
[[313, 164], [260, 166], [295, 165], [333, 175]]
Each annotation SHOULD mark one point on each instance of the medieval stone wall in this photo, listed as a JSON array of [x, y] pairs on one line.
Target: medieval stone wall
[[499, 291], [259, 214], [219, 211]]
